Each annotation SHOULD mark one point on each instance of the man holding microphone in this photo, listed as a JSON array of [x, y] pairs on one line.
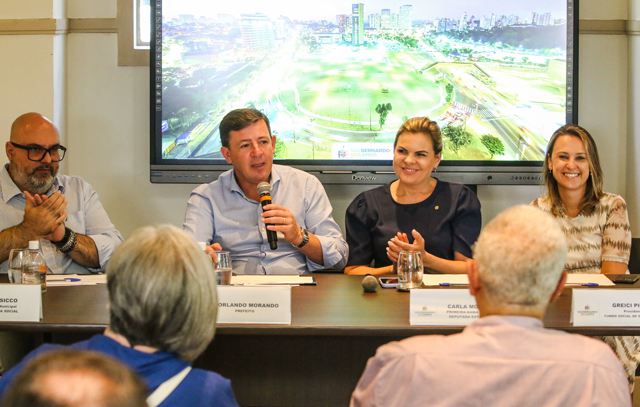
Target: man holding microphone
[[240, 213]]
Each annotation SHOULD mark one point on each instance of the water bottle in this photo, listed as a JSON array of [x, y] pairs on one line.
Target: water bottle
[[34, 268]]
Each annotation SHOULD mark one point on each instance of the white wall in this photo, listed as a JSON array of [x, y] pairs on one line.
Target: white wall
[[107, 128], [26, 81]]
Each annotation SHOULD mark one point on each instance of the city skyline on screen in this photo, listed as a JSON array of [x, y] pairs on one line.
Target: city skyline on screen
[[337, 80], [329, 8]]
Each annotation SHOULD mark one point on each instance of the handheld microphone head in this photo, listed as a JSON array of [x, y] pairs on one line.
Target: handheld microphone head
[[264, 192], [264, 188]]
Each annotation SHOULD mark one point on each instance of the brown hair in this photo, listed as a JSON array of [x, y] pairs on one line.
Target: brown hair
[[112, 384], [422, 125], [594, 191], [238, 119]]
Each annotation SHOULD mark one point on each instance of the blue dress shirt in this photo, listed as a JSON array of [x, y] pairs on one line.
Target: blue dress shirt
[[85, 216], [221, 212]]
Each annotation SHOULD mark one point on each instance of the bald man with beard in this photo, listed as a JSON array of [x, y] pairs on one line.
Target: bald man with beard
[[62, 212]]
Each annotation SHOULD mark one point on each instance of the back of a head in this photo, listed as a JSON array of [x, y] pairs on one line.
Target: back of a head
[[520, 255], [75, 378], [162, 291]]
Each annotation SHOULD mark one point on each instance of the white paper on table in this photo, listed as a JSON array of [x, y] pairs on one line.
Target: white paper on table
[[445, 279], [60, 280], [579, 279], [251, 279]]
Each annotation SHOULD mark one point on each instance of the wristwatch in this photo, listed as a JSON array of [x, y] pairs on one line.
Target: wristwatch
[[305, 237]]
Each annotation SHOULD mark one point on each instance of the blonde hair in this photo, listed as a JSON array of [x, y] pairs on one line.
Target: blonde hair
[[594, 189], [422, 125]]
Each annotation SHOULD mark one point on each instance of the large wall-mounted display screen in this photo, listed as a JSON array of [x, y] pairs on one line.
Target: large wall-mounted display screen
[[337, 78]]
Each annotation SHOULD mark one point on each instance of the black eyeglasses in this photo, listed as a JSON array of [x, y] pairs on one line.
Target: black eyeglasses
[[37, 153]]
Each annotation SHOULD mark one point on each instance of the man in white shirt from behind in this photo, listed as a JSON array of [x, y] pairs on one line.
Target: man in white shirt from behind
[[507, 357]]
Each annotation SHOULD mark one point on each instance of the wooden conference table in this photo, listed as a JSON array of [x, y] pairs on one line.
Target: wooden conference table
[[315, 361]]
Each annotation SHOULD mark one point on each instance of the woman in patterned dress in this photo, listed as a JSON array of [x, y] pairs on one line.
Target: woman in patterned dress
[[595, 223]]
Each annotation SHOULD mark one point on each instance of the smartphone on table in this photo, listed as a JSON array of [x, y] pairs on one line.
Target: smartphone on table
[[388, 281], [623, 278]]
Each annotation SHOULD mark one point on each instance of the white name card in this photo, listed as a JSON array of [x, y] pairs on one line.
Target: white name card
[[605, 307], [254, 305], [20, 302], [442, 307]]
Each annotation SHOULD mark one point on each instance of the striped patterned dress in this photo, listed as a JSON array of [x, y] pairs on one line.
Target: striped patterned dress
[[605, 235]]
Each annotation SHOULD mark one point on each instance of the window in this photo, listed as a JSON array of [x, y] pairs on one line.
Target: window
[[141, 24], [134, 32]]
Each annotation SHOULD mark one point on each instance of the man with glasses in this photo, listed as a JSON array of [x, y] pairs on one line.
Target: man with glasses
[[63, 212]]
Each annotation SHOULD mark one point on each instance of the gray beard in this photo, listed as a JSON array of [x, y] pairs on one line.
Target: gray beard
[[31, 182]]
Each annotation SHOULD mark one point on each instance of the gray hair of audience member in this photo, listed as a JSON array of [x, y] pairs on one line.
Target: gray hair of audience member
[[75, 378], [238, 119], [162, 291], [520, 256]]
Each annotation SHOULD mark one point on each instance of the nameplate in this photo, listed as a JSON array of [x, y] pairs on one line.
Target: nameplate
[[254, 305], [20, 302], [442, 307], [605, 307]]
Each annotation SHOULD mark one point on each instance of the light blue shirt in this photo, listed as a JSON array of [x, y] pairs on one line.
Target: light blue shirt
[[85, 215], [220, 212]]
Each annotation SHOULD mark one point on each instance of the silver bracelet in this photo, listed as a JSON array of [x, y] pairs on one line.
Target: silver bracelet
[[71, 242]]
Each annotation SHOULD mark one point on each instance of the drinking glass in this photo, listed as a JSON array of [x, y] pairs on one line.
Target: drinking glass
[[410, 269], [14, 270], [223, 268]]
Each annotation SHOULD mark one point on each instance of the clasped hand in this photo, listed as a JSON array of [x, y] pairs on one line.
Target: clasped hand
[[44, 216], [400, 242]]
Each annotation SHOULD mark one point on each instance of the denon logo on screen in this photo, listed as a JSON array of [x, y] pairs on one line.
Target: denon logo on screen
[[363, 177]]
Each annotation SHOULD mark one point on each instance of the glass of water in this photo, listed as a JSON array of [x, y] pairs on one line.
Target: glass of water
[[223, 267], [16, 258], [410, 270]]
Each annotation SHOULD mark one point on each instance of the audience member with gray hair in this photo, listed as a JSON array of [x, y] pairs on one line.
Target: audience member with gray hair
[[163, 308], [506, 357], [75, 378]]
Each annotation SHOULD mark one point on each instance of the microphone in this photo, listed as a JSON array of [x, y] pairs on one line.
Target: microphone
[[369, 284], [264, 191]]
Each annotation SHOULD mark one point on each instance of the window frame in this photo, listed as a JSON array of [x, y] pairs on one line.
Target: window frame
[[127, 54]]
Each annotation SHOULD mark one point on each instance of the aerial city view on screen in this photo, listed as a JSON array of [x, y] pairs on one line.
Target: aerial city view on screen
[[337, 78]]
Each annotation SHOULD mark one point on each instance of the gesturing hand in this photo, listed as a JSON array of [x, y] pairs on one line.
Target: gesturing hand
[[211, 251]]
